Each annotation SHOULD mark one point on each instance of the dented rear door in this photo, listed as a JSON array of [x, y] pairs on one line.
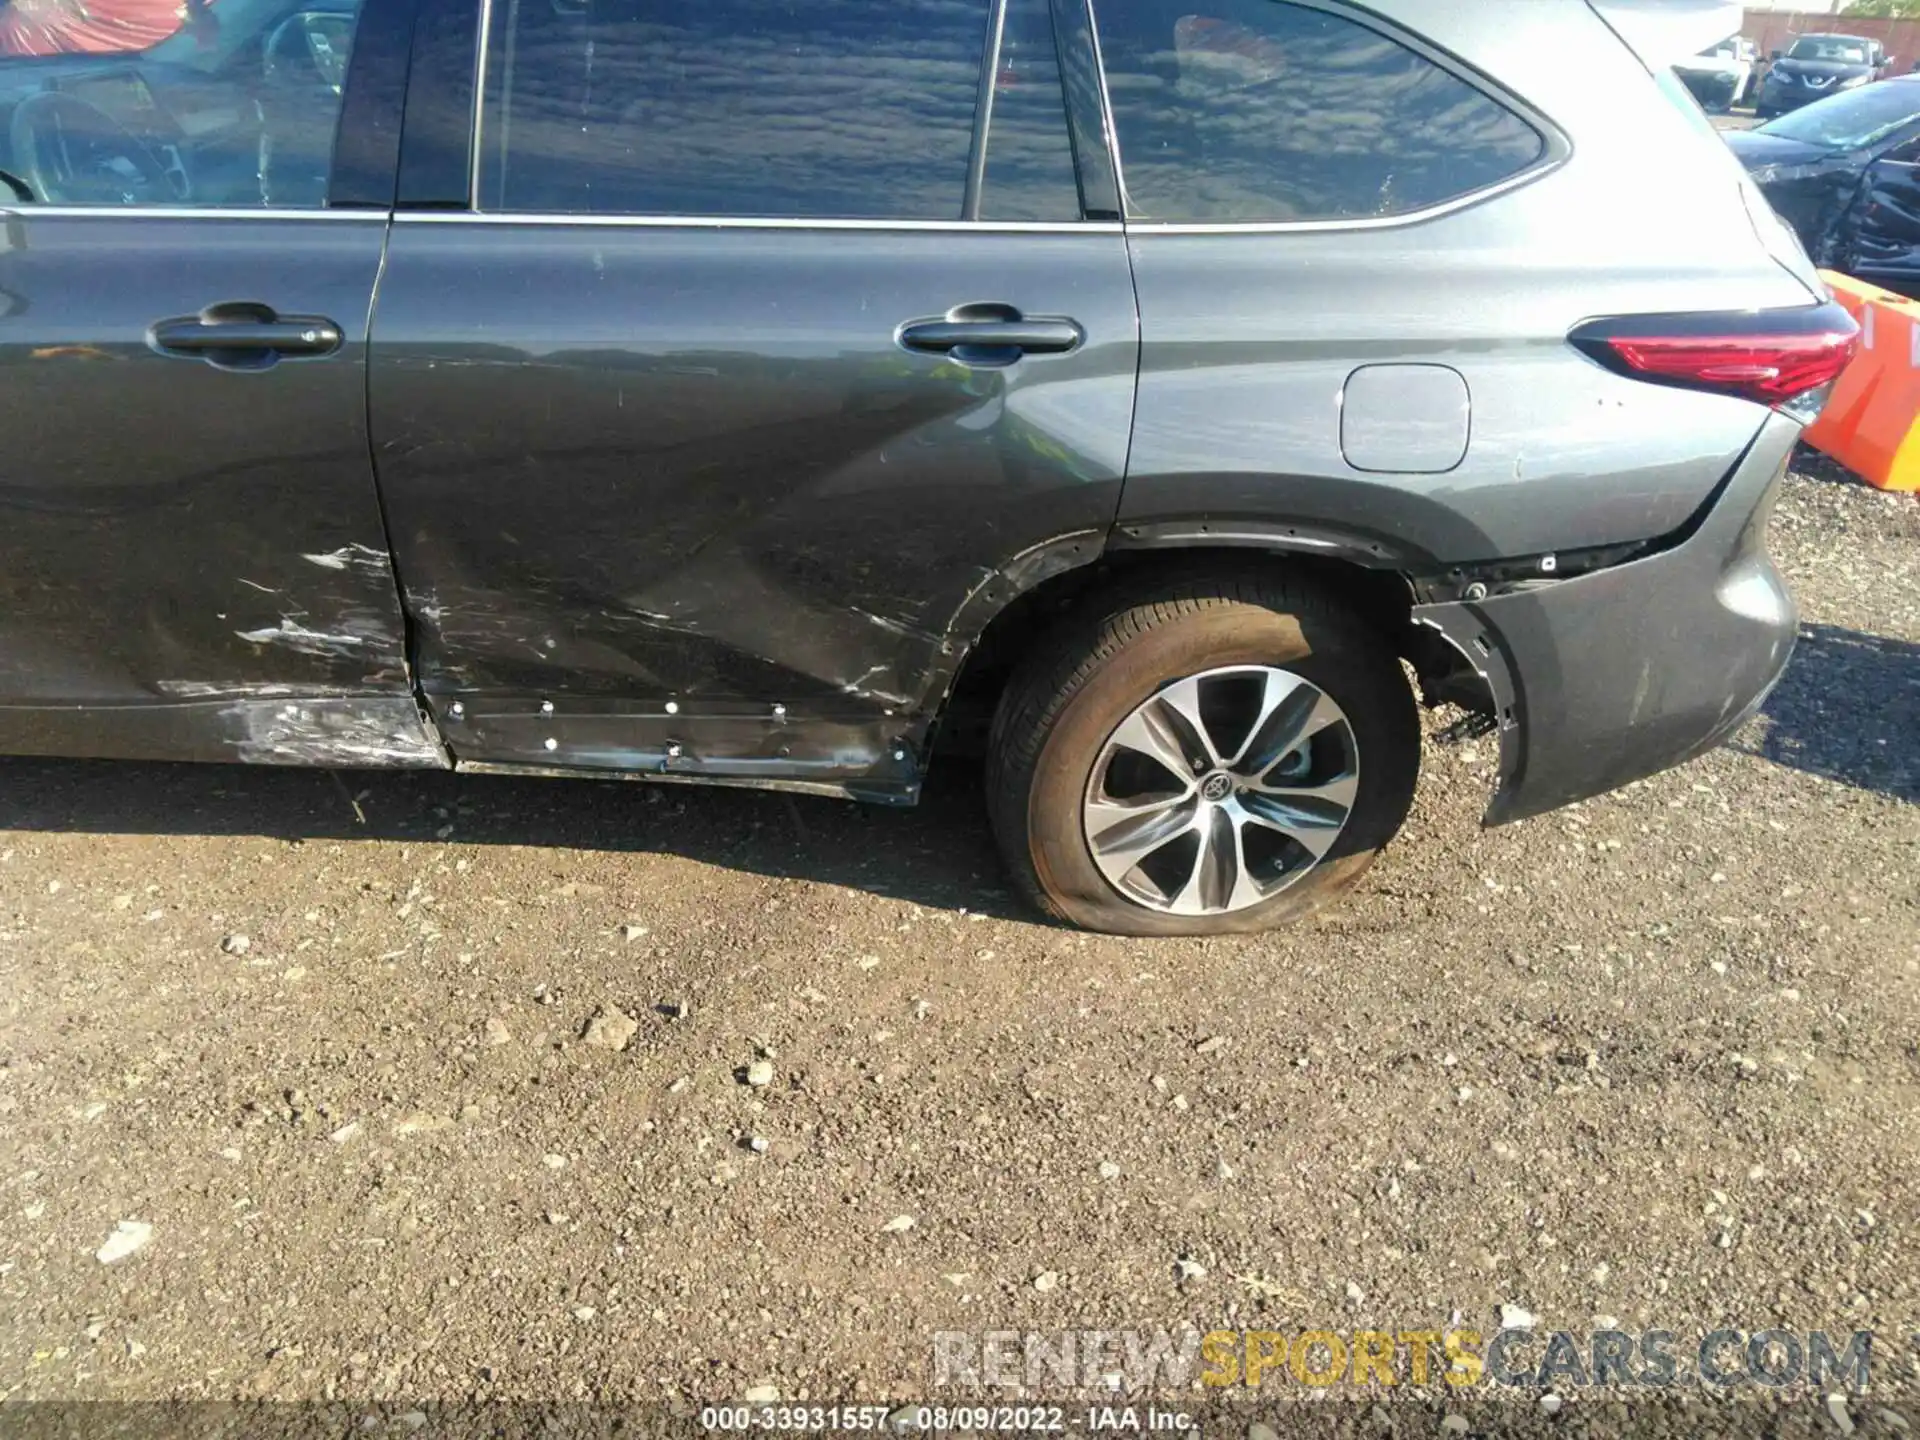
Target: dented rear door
[[687, 463]]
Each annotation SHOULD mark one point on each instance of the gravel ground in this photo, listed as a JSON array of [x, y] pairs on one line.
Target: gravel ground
[[1650, 1061]]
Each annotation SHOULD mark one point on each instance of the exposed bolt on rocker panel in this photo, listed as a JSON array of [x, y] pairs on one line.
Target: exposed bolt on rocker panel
[[844, 749]]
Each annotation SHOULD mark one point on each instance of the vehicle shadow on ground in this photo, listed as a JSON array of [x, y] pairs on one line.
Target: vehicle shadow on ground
[[1847, 709], [939, 854]]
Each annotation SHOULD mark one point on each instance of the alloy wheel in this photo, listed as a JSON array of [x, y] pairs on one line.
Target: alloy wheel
[[1221, 790]]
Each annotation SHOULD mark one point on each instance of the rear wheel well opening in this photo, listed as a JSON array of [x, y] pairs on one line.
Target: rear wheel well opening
[[1381, 598]]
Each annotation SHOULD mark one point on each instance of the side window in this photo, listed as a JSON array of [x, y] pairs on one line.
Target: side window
[[805, 109], [1260, 110], [151, 102], [1029, 172]]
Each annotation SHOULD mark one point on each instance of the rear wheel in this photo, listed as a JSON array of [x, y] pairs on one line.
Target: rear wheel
[[1202, 757]]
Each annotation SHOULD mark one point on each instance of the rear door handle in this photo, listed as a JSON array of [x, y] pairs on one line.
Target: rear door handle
[[289, 337], [991, 335], [244, 336]]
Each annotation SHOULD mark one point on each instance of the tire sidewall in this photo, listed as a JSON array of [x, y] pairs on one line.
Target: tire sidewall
[[1355, 669]]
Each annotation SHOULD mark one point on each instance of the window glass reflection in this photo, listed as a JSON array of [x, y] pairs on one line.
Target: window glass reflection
[[1258, 110], [781, 108], [216, 106]]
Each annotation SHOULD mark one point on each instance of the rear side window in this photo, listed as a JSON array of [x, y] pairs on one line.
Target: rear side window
[[809, 109], [1247, 111]]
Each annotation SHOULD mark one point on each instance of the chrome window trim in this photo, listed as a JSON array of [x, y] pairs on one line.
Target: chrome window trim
[[1536, 171], [1109, 128], [985, 91], [187, 212], [737, 222], [482, 52]]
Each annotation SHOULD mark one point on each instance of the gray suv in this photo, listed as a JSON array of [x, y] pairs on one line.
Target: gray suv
[[759, 392]]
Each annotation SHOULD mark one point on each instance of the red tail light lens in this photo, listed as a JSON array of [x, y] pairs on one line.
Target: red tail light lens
[[1767, 356], [1769, 368]]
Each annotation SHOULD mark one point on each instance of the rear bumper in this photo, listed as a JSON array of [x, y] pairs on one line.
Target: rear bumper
[[1604, 679]]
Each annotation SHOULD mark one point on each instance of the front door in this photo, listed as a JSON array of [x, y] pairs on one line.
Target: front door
[[192, 558], [770, 346]]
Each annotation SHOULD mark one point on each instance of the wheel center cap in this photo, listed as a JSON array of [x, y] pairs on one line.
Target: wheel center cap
[[1217, 786]]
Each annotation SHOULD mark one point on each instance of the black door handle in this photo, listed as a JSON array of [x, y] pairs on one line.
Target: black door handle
[[991, 335], [289, 337], [244, 336], [1042, 337]]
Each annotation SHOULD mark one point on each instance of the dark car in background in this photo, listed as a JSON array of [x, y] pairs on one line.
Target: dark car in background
[[1845, 174], [1817, 66]]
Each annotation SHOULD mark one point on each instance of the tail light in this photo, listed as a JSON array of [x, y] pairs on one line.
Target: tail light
[[1783, 358]]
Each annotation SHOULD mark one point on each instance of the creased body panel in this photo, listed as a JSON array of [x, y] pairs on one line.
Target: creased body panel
[[628, 463], [1613, 676], [171, 531], [348, 732]]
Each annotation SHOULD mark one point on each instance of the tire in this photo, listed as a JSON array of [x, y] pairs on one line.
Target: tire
[[1060, 715]]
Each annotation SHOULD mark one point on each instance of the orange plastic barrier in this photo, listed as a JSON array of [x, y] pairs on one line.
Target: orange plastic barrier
[[1872, 423]]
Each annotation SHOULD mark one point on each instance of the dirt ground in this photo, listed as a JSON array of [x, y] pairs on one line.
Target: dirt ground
[[1652, 1062]]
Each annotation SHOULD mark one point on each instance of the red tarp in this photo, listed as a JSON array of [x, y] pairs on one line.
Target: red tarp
[[82, 27]]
